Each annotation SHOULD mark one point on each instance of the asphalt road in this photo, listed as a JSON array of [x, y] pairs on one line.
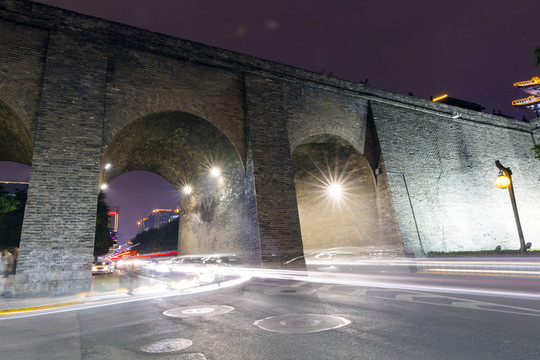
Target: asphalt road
[[285, 320]]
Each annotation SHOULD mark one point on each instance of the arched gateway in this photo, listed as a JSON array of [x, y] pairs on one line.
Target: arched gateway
[[77, 92]]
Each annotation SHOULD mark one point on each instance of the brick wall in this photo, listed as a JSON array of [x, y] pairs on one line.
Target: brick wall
[[58, 232], [279, 227], [448, 165], [22, 59]]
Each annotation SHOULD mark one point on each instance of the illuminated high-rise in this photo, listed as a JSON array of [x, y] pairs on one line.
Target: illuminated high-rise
[[114, 219], [157, 219]]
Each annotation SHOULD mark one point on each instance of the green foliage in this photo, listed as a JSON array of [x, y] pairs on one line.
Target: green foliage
[[536, 150], [11, 217], [156, 240], [103, 240], [8, 204]]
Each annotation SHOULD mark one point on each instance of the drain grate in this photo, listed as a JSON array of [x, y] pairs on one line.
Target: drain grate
[[301, 323], [191, 311], [166, 346]]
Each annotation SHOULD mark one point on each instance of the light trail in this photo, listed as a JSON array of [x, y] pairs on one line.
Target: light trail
[[101, 301]]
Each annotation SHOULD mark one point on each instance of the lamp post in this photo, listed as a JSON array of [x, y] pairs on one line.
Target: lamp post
[[504, 180]]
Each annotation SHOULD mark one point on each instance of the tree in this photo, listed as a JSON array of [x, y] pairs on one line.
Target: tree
[[11, 217], [536, 150], [155, 240], [103, 239], [8, 204]]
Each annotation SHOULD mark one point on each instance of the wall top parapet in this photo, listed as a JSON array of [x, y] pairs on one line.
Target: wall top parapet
[[108, 32]]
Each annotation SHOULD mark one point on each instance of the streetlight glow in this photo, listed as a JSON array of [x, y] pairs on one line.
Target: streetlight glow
[[502, 181], [188, 189], [107, 166], [335, 190], [215, 172], [103, 186]]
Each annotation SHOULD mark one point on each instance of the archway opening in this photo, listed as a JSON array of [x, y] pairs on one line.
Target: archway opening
[[14, 179], [139, 202], [205, 170], [15, 142], [339, 200]]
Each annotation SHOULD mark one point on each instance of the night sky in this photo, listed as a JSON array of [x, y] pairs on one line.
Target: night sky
[[472, 50]]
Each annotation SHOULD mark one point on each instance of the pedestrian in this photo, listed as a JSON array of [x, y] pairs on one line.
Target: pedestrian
[[15, 258], [8, 262], [2, 260]]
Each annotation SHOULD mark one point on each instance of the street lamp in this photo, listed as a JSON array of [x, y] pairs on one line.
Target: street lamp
[[188, 189], [504, 180], [215, 171], [335, 190]]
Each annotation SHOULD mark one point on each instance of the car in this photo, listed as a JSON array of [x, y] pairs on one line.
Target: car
[[102, 267], [186, 265], [155, 267], [222, 260]]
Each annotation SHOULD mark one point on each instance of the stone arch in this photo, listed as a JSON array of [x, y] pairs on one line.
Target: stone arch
[[141, 83], [182, 148], [356, 213], [15, 141], [312, 111]]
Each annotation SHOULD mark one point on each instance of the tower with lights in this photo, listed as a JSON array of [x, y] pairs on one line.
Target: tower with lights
[[532, 102]]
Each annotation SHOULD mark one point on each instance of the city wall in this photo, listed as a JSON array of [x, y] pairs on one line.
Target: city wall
[[77, 92]]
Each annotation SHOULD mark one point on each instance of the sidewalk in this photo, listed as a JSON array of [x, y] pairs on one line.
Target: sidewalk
[[10, 304], [6, 285], [16, 306]]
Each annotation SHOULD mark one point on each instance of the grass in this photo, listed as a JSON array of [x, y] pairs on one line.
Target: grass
[[534, 252]]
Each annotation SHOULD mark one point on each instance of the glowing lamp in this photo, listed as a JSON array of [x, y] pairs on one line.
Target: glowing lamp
[[502, 181], [215, 172], [335, 190]]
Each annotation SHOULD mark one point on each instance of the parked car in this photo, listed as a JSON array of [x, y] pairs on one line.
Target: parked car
[[102, 267]]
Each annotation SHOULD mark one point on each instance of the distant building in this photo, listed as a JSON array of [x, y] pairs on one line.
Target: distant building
[[114, 219], [445, 99], [532, 102], [157, 219]]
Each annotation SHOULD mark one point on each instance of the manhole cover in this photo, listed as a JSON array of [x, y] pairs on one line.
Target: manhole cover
[[208, 310], [288, 291], [301, 323], [167, 345], [199, 310]]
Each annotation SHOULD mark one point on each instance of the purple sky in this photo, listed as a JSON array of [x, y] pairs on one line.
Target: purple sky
[[472, 50], [136, 194]]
